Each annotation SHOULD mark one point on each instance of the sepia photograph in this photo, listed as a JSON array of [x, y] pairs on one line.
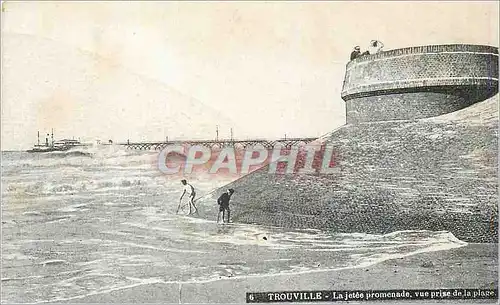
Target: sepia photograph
[[249, 151]]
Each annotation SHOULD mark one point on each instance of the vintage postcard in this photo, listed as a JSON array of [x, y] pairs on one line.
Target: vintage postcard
[[249, 152]]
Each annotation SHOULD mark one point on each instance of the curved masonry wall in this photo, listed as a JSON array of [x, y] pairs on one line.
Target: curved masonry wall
[[431, 174], [419, 82], [425, 174]]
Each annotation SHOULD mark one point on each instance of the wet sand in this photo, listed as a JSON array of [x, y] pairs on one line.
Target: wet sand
[[472, 266]]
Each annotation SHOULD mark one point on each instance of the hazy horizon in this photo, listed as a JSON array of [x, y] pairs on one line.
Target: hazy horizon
[[145, 71]]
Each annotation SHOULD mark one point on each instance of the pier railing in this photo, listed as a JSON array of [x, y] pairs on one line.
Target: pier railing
[[221, 143]]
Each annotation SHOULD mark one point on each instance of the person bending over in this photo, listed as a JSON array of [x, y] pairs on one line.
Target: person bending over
[[189, 190]]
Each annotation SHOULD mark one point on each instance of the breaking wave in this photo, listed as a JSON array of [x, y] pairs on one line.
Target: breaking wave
[[92, 221]]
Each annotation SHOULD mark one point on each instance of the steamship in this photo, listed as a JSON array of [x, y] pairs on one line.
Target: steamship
[[59, 145]]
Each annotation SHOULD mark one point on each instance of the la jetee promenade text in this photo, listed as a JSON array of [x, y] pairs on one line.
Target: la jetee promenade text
[[306, 159], [371, 295]]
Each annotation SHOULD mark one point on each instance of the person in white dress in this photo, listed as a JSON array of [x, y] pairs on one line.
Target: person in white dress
[[375, 47]]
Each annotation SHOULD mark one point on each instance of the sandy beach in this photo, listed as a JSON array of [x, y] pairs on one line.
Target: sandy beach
[[440, 269]]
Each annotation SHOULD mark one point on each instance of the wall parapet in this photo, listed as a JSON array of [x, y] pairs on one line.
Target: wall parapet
[[426, 49]]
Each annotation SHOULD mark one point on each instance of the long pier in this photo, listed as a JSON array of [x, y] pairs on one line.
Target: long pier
[[221, 143]]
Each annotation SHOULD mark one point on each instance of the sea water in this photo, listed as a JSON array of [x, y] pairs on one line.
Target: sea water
[[89, 221]]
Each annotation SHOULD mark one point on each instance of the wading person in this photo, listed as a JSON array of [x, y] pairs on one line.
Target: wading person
[[189, 190], [223, 203]]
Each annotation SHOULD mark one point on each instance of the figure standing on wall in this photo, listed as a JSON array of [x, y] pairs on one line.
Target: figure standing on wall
[[375, 47], [356, 53]]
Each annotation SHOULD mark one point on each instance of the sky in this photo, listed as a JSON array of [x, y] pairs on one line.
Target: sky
[[145, 71]]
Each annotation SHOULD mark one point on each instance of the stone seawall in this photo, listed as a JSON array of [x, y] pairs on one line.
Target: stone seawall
[[419, 82], [428, 174]]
